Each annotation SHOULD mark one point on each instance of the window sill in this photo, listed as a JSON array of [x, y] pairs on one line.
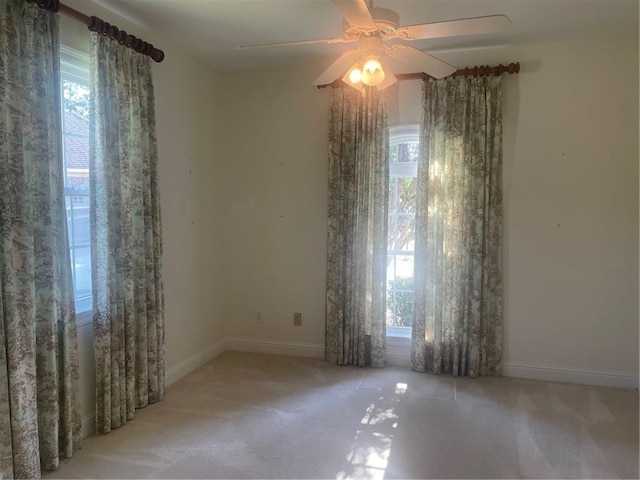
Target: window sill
[[399, 332]]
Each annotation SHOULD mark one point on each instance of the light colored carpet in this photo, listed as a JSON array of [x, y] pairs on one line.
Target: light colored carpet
[[246, 415]]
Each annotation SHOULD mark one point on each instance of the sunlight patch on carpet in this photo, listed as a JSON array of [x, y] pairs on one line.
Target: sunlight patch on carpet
[[370, 451]]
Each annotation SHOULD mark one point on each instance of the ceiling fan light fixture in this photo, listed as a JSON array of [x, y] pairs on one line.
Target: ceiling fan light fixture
[[372, 72], [353, 77], [371, 27]]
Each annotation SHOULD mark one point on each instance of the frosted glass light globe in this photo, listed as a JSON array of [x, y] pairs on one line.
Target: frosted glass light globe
[[355, 75], [372, 72]]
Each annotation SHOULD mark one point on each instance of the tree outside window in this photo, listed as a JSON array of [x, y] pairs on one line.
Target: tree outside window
[[403, 164]]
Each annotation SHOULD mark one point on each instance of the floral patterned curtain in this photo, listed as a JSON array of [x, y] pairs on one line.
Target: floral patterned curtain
[[126, 237], [357, 230], [458, 258], [39, 387]]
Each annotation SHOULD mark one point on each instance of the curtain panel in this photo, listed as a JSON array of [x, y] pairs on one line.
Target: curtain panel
[[458, 255], [126, 236], [39, 387], [357, 228]]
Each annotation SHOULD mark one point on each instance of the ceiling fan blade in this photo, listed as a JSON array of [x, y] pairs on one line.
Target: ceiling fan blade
[[337, 68], [356, 13], [422, 62], [300, 42], [454, 28]]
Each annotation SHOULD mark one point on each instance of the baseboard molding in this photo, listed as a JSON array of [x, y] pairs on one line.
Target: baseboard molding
[[190, 364], [171, 376], [88, 425], [565, 375], [275, 347], [397, 355]]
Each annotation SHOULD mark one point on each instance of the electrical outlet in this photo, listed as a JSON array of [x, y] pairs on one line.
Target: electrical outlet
[[297, 319]]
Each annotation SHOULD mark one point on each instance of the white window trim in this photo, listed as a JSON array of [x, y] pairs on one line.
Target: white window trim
[[76, 64], [403, 133], [398, 332]]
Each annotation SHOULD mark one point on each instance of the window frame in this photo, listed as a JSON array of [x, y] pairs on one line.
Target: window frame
[[406, 133], [74, 66]]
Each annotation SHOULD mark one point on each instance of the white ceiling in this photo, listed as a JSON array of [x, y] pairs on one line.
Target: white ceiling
[[212, 29]]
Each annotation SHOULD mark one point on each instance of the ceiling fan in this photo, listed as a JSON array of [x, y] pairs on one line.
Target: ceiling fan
[[379, 38]]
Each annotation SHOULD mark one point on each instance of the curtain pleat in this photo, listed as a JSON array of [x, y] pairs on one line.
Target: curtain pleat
[[126, 236], [458, 257], [39, 375], [357, 228]]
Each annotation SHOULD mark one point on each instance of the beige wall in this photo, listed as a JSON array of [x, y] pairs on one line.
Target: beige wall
[[275, 165], [571, 204], [571, 201], [187, 113], [243, 169]]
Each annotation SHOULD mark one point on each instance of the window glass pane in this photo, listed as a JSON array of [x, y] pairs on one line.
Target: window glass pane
[[67, 203], [404, 266], [405, 232], [81, 227], [400, 302], [407, 194], [391, 307], [393, 195], [75, 141], [392, 244], [393, 154], [391, 268], [76, 98], [404, 305], [82, 268], [403, 159], [407, 152]]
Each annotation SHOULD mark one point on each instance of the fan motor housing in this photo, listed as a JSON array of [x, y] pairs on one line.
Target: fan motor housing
[[386, 21]]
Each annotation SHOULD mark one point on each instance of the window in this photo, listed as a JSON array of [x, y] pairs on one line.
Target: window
[[403, 168], [75, 143]]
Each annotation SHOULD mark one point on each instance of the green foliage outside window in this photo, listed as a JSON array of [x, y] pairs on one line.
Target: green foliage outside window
[[403, 301]]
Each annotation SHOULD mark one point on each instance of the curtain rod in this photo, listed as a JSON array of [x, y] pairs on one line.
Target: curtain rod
[[481, 71], [98, 25]]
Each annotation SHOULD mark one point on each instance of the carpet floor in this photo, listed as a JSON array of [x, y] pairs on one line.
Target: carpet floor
[[248, 415]]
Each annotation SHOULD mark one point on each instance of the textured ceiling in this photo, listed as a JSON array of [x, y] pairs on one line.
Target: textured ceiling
[[212, 29]]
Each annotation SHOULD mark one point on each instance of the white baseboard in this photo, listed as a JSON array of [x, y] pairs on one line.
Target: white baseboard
[[88, 425], [172, 375], [566, 375], [275, 347], [398, 354], [190, 364]]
